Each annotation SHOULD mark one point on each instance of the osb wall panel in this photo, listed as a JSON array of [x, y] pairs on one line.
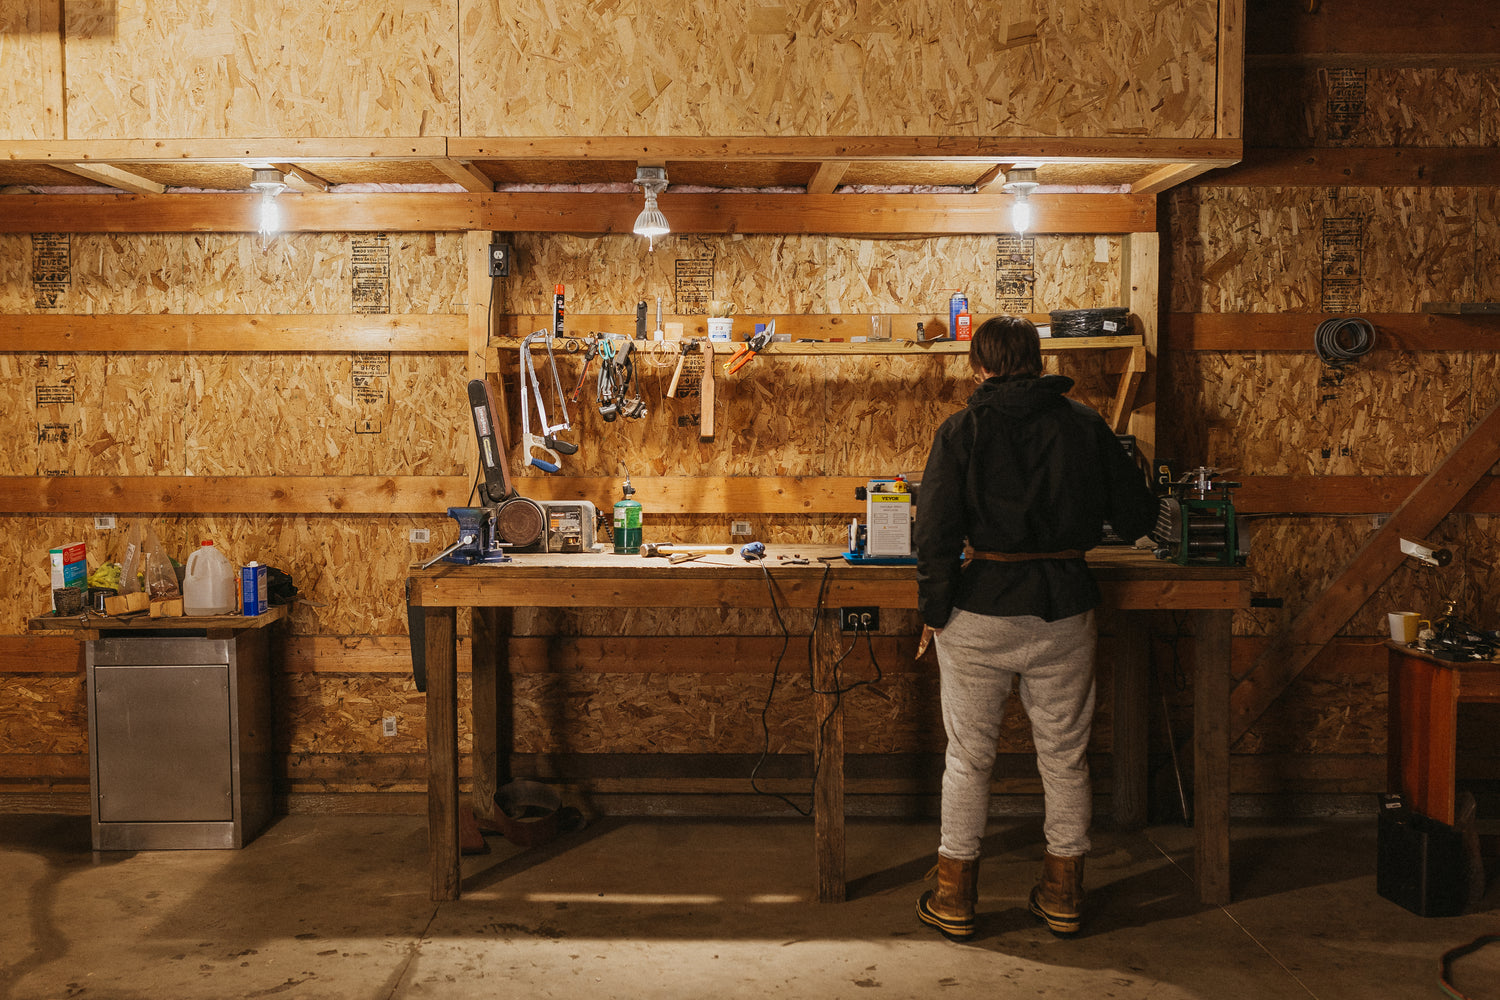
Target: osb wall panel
[[937, 67], [1281, 413], [31, 88], [804, 274], [230, 415], [193, 273], [1263, 249], [240, 68], [636, 713], [1369, 107], [43, 715]]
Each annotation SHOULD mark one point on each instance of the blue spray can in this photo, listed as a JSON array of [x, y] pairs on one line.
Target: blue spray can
[[958, 303]]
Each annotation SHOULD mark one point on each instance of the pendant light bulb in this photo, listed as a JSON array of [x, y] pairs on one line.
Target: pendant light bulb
[[269, 183], [651, 223], [1020, 182]]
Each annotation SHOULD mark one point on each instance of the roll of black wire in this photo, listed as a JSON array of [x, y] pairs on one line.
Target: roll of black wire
[[1342, 339]]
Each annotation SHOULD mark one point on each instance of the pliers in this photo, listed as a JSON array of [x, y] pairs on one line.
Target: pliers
[[749, 349]]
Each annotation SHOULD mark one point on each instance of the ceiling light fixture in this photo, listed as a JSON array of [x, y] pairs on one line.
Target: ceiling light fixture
[[269, 183], [651, 223], [1020, 182]]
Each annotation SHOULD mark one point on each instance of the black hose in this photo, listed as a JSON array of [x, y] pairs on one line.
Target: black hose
[[1342, 339]]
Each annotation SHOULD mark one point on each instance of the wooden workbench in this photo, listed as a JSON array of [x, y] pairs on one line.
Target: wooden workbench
[[1131, 580], [1422, 749]]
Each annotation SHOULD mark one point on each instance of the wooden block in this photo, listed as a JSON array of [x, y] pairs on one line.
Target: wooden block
[[124, 604], [167, 609]]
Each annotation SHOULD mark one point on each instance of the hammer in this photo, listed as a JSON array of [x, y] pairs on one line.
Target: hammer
[[649, 549]]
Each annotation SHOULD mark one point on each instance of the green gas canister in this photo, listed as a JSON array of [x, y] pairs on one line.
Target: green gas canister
[[627, 522]]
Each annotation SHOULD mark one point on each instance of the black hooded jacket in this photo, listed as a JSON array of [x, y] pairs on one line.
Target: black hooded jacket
[[1022, 468]]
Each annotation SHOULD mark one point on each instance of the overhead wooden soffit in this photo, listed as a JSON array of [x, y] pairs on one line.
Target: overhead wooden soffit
[[580, 213]]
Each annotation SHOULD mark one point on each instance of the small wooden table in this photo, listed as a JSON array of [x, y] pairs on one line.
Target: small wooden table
[[1131, 580], [1425, 693]]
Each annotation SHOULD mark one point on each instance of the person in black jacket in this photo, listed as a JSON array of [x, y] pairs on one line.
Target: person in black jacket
[[1017, 488]]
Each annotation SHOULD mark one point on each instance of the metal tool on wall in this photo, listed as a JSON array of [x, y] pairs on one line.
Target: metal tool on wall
[[619, 384], [547, 441]]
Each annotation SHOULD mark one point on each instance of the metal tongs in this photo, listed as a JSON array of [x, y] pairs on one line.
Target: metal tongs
[[546, 441]]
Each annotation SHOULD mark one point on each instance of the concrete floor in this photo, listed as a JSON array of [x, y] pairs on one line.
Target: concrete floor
[[337, 907]]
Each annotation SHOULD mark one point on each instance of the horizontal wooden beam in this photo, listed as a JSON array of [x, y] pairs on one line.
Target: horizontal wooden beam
[[1294, 331], [1407, 166], [984, 149], [1052, 149], [247, 333], [580, 213], [834, 333], [1348, 495]]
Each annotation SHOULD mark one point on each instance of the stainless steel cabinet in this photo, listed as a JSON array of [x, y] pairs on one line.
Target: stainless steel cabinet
[[179, 740]]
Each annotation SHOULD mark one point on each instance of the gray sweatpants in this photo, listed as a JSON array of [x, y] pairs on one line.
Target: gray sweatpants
[[978, 655]]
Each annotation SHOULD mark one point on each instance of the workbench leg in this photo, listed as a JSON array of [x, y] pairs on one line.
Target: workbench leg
[[442, 751], [1211, 754], [828, 755], [1132, 686], [491, 705]]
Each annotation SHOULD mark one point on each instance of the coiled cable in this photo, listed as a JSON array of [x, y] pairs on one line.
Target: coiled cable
[[1342, 339]]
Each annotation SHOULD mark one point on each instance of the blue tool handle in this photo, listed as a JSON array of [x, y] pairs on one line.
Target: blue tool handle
[[545, 466]]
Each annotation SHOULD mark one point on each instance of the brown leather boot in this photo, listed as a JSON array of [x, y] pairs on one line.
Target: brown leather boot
[[950, 907], [1058, 897]]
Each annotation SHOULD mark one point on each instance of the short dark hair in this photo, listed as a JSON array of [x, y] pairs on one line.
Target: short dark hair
[[1006, 345]]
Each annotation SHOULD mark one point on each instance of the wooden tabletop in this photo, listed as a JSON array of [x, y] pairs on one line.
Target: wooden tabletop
[[1129, 578]]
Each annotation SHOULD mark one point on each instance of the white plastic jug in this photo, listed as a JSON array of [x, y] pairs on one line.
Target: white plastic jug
[[208, 583]]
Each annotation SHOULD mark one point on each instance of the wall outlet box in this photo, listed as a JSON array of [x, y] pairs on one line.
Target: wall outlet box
[[104, 522], [388, 726], [500, 260], [739, 528], [419, 536], [859, 619]]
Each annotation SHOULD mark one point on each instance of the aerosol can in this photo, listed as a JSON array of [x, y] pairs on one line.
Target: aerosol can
[[627, 522]]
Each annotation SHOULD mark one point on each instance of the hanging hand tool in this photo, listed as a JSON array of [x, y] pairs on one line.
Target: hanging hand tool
[[547, 440], [619, 385], [640, 320], [749, 349], [588, 358]]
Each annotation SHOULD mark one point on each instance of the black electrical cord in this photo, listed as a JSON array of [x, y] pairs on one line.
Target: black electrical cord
[[1343, 339], [765, 726]]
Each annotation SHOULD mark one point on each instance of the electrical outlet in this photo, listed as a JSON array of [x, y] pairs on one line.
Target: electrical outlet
[[739, 528], [104, 522], [388, 726], [859, 619], [418, 536]]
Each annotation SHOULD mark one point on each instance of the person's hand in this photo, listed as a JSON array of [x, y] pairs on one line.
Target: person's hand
[[928, 634]]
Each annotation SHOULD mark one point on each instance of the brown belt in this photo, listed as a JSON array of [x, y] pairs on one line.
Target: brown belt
[[973, 553]]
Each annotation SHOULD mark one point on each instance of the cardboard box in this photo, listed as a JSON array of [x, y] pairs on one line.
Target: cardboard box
[[70, 568]]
